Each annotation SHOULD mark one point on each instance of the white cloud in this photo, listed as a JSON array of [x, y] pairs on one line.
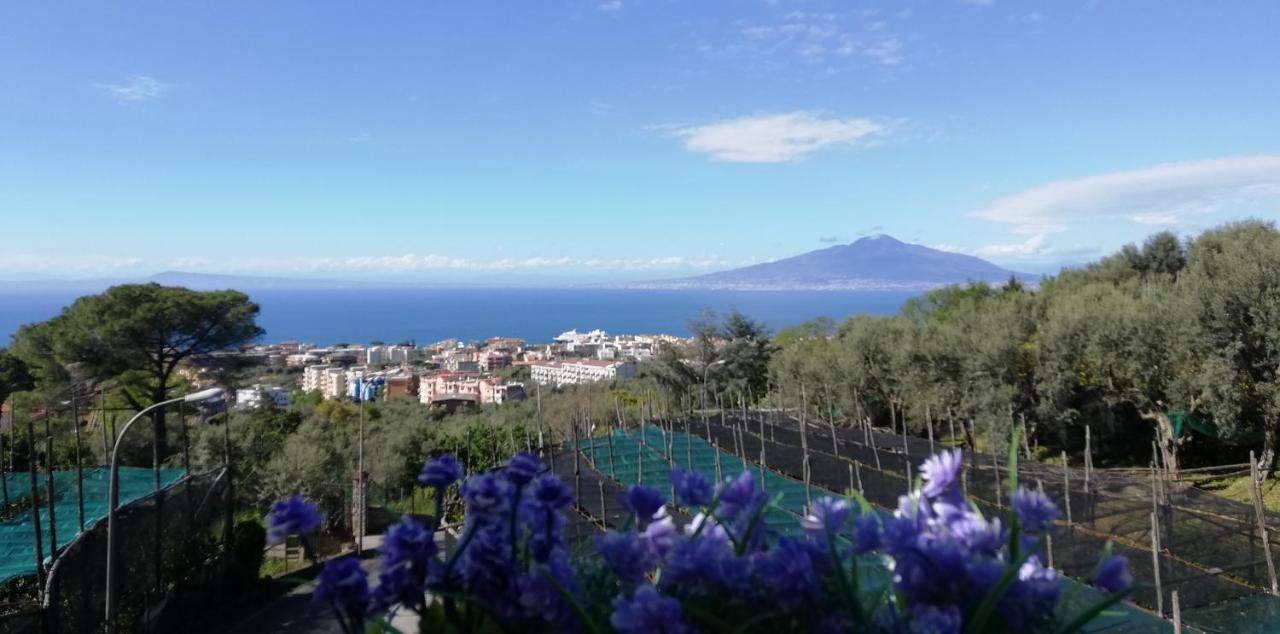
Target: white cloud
[[409, 263], [1167, 194], [1036, 245], [29, 263], [135, 88], [611, 5], [776, 138], [829, 42]]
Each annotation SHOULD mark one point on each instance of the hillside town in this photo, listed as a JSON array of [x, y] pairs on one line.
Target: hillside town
[[446, 374]]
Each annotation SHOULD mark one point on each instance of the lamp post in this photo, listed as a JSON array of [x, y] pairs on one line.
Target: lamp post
[[114, 499], [362, 393]]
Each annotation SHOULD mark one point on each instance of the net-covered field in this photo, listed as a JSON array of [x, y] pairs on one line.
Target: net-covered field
[[1209, 549], [647, 454], [17, 533]]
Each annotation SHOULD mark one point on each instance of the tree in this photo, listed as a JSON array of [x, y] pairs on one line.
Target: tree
[[14, 375], [139, 335]]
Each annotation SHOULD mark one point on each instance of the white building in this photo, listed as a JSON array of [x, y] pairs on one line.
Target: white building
[[569, 372], [258, 395]]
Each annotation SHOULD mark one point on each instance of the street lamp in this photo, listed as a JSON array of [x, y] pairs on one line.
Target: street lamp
[[362, 393], [114, 499]]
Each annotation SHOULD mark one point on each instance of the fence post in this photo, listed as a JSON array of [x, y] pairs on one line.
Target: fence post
[[808, 491], [1088, 460], [928, 423], [831, 421], [875, 452], [1177, 614], [542, 445], [1258, 510], [609, 438], [604, 513], [1155, 563], [995, 462], [719, 473], [1048, 533], [35, 505], [577, 452], [1066, 487]]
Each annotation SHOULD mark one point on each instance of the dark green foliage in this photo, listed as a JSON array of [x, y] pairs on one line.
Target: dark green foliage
[[14, 375], [248, 545]]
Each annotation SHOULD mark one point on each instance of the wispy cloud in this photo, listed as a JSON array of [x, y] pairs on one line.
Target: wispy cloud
[[777, 138], [17, 263], [610, 5], [828, 239], [1168, 194], [135, 88], [827, 41]]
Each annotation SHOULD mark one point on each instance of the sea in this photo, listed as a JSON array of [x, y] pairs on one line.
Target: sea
[[325, 316]]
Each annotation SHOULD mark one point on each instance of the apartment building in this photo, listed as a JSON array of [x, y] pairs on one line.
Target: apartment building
[[569, 372]]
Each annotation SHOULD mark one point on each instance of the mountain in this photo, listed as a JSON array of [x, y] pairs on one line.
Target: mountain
[[878, 262]]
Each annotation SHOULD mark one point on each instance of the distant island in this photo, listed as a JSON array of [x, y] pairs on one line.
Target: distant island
[[874, 263]]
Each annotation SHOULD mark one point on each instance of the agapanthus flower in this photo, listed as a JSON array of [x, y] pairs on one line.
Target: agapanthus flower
[[407, 550], [647, 612], [827, 515], [626, 554], [940, 473], [343, 584], [522, 467], [440, 472], [644, 502], [1034, 510], [932, 619], [550, 493], [866, 534], [1113, 574], [692, 488], [788, 574], [292, 516], [487, 495]]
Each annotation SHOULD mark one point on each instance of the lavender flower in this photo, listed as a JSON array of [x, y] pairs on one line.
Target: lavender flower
[[788, 574], [827, 516], [522, 467], [941, 473], [1113, 574], [629, 557], [407, 552], [440, 472], [342, 584], [1034, 510], [866, 534], [692, 489], [550, 493], [487, 495], [647, 612], [292, 516], [644, 502]]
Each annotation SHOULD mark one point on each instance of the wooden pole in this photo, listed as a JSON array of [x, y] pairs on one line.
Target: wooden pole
[[928, 422], [831, 421], [808, 490], [1155, 564], [1259, 512], [874, 451], [1048, 534], [719, 473], [906, 451], [951, 427], [609, 439], [640, 455], [995, 462], [577, 466], [1177, 613], [1066, 487], [542, 445], [1088, 460], [604, 511]]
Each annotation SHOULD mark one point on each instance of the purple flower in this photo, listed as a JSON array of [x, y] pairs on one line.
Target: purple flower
[[866, 534], [485, 566], [292, 516], [826, 517], [407, 552], [930, 619], [440, 472], [940, 473], [926, 572], [788, 574], [1113, 574], [342, 584], [692, 489], [539, 598], [661, 534], [698, 566], [740, 496], [550, 493], [979, 535], [629, 557], [522, 467], [1034, 510], [487, 495], [644, 502], [647, 612]]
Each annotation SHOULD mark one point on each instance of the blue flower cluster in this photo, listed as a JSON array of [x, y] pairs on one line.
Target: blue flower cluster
[[947, 567]]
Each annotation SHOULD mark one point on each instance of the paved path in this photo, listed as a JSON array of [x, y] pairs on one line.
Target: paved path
[[295, 613]]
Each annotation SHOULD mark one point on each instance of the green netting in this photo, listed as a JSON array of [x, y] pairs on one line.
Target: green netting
[[17, 537], [645, 450]]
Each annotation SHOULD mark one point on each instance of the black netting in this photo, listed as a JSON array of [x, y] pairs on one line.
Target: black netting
[[169, 552], [1210, 551]]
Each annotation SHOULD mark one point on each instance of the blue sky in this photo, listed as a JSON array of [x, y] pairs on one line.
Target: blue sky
[[619, 139]]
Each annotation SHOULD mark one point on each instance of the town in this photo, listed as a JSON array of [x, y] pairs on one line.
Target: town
[[447, 374]]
